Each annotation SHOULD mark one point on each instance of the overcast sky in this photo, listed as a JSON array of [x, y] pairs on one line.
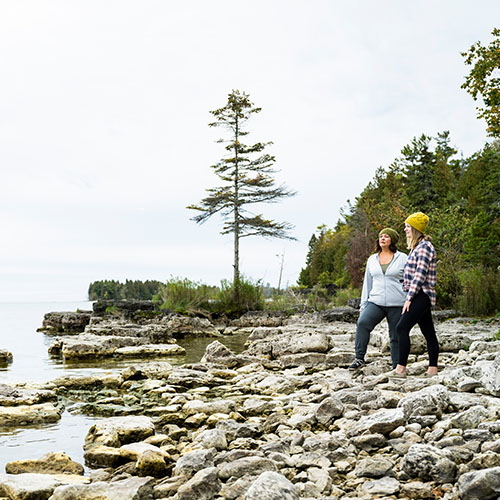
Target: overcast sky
[[104, 107]]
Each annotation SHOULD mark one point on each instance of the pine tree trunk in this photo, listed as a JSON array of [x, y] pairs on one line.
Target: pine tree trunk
[[236, 265]]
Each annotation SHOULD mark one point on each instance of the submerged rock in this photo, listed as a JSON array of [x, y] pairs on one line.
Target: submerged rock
[[5, 356], [22, 415], [51, 463]]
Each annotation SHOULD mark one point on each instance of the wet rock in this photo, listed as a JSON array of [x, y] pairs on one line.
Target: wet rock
[[151, 463], [33, 486], [483, 484], [91, 346], [15, 396], [104, 456], [65, 322], [5, 356], [150, 350], [216, 352], [51, 463], [132, 488], [17, 416], [133, 451], [272, 486], [429, 463], [117, 431], [204, 485]]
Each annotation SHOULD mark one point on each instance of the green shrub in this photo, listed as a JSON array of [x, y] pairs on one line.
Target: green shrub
[[238, 299], [288, 301], [344, 294], [185, 296], [480, 291]]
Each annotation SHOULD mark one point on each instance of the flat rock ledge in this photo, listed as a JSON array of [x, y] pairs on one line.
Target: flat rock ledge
[[286, 419]]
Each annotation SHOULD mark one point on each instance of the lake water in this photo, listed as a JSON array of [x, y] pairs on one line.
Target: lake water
[[18, 325]]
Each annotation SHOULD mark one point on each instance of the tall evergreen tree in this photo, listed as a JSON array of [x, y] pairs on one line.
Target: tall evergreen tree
[[247, 175]]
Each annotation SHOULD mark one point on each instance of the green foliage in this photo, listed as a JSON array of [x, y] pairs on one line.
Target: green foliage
[[462, 199], [480, 291], [185, 296], [483, 80], [115, 290], [239, 298], [328, 250]]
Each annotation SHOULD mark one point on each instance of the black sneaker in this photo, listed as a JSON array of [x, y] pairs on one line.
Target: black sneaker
[[357, 364]]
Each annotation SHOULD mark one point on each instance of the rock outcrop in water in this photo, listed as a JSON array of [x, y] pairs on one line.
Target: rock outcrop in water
[[286, 420]]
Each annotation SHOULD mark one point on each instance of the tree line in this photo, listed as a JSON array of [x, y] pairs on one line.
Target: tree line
[[130, 290], [460, 195]]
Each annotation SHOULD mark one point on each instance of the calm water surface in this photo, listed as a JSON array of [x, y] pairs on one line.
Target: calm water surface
[[18, 325]]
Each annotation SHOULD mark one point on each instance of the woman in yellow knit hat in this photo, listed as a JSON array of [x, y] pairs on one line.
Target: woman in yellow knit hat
[[419, 284]]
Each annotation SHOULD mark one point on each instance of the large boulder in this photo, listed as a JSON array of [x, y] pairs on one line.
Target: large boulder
[[216, 352], [272, 486], [301, 343], [194, 461], [117, 431], [65, 322], [132, 488], [34, 486], [483, 484], [17, 416], [204, 485], [432, 400], [491, 377], [429, 463], [51, 463], [382, 421]]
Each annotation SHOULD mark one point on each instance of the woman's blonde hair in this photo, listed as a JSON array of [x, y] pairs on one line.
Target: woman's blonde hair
[[415, 238]]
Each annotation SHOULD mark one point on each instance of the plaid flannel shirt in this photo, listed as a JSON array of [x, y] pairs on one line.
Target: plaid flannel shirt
[[420, 272]]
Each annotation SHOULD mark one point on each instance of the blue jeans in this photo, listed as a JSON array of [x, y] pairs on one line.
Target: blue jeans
[[369, 318]]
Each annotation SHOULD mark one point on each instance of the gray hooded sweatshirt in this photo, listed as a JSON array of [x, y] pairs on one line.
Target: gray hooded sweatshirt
[[384, 289]]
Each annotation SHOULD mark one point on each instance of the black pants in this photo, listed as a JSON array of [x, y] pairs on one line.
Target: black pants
[[419, 313]]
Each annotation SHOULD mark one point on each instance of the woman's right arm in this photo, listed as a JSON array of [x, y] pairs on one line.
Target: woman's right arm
[[367, 286]]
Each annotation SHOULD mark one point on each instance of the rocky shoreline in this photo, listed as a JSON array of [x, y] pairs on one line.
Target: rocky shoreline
[[282, 420]]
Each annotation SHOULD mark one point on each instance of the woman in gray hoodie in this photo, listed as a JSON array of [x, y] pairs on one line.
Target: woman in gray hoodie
[[382, 295]]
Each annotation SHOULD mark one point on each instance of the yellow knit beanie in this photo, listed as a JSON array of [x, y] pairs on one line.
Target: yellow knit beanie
[[419, 221]]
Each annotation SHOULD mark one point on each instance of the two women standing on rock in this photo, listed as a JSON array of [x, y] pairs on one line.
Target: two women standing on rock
[[401, 288]]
